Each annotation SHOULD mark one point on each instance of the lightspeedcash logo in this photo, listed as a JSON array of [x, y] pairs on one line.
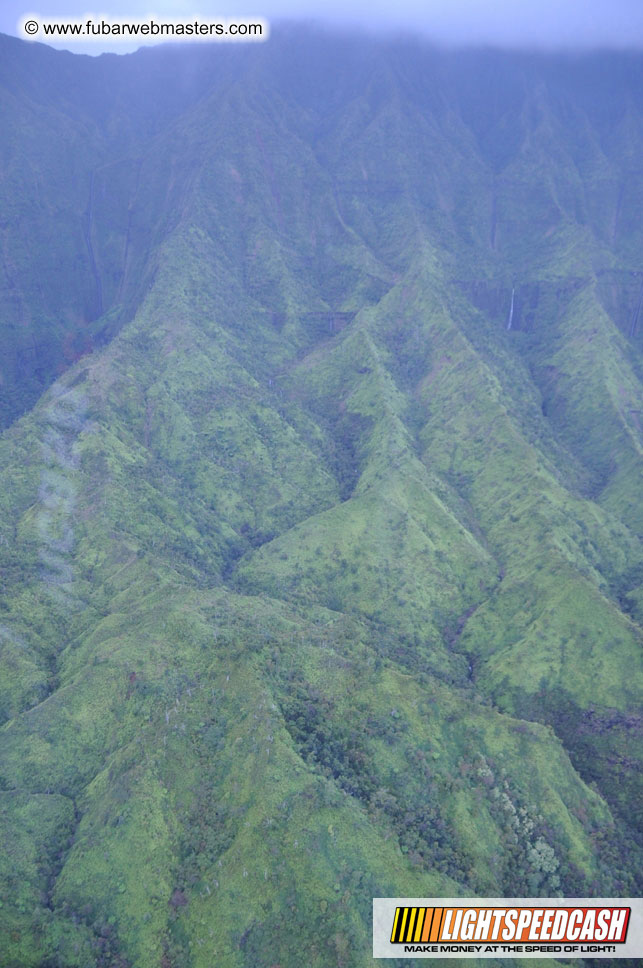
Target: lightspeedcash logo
[[496, 927]]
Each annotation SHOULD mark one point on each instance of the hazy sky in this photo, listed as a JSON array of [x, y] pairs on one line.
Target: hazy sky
[[549, 23]]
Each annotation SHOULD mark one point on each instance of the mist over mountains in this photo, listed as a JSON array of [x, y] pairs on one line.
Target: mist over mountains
[[320, 540]]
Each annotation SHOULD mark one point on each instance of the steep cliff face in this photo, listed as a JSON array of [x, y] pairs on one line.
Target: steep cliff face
[[319, 492]]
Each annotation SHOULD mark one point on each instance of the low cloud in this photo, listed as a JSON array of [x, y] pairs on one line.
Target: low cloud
[[556, 24]]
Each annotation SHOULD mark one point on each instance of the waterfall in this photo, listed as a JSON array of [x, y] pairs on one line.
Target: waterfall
[[511, 309], [636, 313], [89, 214]]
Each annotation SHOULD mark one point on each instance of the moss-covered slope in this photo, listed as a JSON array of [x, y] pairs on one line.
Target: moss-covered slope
[[322, 558]]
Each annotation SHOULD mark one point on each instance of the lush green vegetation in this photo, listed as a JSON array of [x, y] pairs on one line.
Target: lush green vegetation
[[319, 582]]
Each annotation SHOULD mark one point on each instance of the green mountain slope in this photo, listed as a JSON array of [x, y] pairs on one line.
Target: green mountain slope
[[320, 530]]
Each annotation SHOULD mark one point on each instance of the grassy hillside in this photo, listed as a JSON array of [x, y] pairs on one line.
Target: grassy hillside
[[320, 532]]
